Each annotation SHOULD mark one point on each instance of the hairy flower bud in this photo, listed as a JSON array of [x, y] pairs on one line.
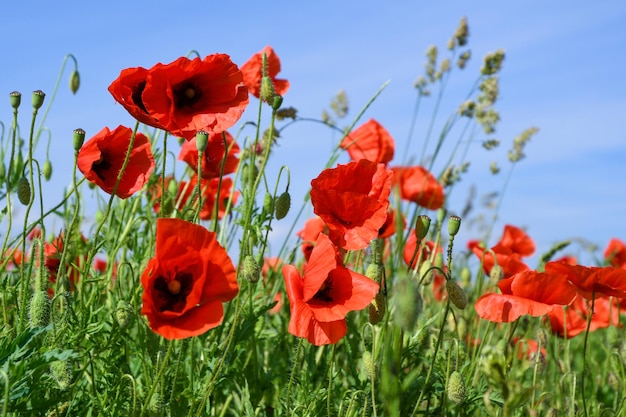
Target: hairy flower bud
[[123, 314], [62, 373], [377, 308], [24, 192], [283, 203], [251, 269], [456, 294], [408, 304], [456, 388], [268, 203], [47, 170], [421, 226], [369, 366], [39, 313], [74, 81]]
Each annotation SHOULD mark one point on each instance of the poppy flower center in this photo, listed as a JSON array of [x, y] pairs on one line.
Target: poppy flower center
[[323, 294], [101, 166], [171, 294], [186, 95], [174, 287], [136, 95]]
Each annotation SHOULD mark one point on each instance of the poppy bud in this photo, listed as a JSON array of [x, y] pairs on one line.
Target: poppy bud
[[37, 99], [15, 97], [24, 191], [421, 226], [123, 314], [454, 223], [426, 272], [78, 138], [74, 81], [202, 138], [251, 269], [369, 366], [441, 214], [283, 203], [156, 406], [268, 203], [267, 90], [377, 308], [277, 102], [456, 294], [456, 388], [62, 373], [374, 272], [39, 310], [47, 170]]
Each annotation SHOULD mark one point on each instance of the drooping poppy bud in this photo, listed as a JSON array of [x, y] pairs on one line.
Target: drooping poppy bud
[[283, 203]]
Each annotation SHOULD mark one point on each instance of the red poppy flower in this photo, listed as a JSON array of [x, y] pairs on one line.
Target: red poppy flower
[[352, 200], [572, 320], [593, 281], [53, 251], [15, 257], [528, 292], [320, 300], [213, 157], [209, 189], [127, 90], [515, 240], [101, 159], [189, 95], [510, 262], [388, 229], [370, 141], [186, 281], [271, 267], [312, 228], [615, 253], [253, 72], [420, 186]]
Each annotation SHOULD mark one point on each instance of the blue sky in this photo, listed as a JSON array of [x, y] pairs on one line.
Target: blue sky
[[564, 73]]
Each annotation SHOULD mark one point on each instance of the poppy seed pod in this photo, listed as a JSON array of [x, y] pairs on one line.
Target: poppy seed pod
[[74, 81], [78, 137], [202, 138], [454, 224], [23, 191], [283, 203], [421, 226], [37, 99], [15, 97]]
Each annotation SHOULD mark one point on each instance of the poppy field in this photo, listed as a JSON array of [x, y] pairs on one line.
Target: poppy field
[[155, 285]]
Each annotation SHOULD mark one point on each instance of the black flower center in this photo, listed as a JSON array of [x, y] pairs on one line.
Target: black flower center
[[323, 294], [171, 295], [137, 92], [102, 166], [186, 94]]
